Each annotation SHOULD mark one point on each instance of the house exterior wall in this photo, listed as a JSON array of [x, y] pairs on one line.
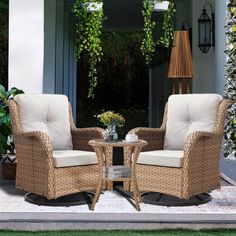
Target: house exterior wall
[[220, 56], [203, 81], [26, 44], [42, 57], [183, 13], [209, 68], [160, 85], [49, 69], [42, 48]]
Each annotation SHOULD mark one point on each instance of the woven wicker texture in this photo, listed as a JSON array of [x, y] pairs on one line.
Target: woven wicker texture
[[181, 65], [153, 136], [35, 171], [200, 172], [104, 152], [108, 157]]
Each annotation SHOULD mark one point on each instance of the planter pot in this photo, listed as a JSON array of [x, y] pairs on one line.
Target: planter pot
[[161, 6], [9, 166], [93, 6]]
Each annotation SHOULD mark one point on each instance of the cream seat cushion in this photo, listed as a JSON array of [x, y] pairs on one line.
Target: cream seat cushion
[[189, 113], [48, 113], [69, 158], [168, 158]]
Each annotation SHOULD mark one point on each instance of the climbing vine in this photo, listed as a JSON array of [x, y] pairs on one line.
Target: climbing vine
[[168, 28], [230, 88], [148, 44], [89, 30]]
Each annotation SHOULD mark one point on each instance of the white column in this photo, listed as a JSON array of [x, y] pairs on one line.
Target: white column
[[26, 45]]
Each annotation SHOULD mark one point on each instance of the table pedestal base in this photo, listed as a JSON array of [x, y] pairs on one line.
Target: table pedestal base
[[64, 201], [167, 200], [164, 199]]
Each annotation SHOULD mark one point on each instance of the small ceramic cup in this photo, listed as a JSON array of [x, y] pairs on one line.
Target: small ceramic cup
[[131, 137]]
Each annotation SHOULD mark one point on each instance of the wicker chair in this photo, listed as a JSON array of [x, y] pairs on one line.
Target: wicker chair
[[53, 156], [182, 156]]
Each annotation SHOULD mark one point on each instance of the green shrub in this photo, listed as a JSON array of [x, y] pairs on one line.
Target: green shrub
[[230, 88], [6, 144]]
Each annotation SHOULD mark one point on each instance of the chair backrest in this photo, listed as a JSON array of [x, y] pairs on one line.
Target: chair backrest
[[189, 113], [47, 113]]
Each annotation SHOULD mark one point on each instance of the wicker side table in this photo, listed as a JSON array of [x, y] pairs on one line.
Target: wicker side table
[[104, 151]]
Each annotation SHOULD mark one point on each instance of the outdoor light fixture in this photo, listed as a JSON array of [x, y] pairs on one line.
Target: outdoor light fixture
[[206, 30]]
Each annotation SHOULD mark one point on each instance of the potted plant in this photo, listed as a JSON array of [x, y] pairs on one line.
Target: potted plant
[[111, 120], [93, 6], [90, 17], [161, 5], [6, 140], [148, 44], [168, 29]]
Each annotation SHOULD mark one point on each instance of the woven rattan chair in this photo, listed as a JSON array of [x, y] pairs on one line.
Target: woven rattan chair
[[53, 156], [182, 156]]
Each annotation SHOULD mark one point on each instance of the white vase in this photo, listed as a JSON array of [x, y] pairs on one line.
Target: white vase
[[93, 6], [161, 6]]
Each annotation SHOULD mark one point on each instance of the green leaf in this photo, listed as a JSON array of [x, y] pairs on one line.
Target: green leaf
[[15, 91], [2, 89], [3, 144], [2, 95], [2, 112], [9, 93]]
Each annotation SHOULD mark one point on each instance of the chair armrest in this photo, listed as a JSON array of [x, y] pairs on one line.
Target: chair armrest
[[41, 137], [81, 137], [153, 136], [25, 142], [35, 162], [194, 138], [201, 162]]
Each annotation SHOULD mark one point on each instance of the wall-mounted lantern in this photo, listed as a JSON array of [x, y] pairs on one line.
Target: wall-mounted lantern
[[206, 30]]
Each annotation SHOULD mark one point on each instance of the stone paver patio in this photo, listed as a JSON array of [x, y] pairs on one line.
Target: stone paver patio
[[114, 211]]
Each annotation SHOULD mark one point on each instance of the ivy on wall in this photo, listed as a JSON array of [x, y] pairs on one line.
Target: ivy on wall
[[230, 88]]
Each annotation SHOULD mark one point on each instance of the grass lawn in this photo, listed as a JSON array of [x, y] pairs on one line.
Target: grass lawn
[[226, 232]]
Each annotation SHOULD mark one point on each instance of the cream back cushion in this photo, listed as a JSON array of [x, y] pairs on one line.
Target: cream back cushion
[[46, 113], [189, 113]]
